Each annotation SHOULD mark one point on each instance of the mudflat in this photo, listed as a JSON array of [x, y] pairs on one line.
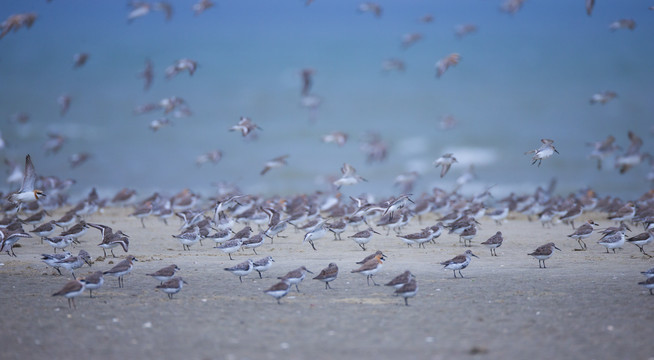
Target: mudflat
[[585, 304]]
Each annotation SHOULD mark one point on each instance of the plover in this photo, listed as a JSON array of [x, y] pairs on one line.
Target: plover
[[172, 286], [296, 276], [370, 268], [242, 269], [494, 242], [371, 256], [543, 253], [27, 192], [72, 289], [459, 262], [121, 269], [328, 274], [165, 273]]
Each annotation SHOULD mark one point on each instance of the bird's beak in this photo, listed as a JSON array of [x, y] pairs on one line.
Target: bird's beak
[[557, 248]]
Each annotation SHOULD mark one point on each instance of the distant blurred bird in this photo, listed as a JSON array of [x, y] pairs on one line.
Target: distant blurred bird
[[80, 59], [443, 64], [202, 6], [77, 159], [181, 65], [410, 39], [307, 80], [622, 24], [15, 22], [274, 163], [213, 156], [426, 18], [139, 9], [349, 177], [147, 74], [543, 152], [445, 162], [393, 65], [589, 6], [374, 147], [465, 29], [54, 143], [337, 137], [603, 149], [632, 156], [245, 126], [512, 6], [603, 97], [370, 7], [64, 104]]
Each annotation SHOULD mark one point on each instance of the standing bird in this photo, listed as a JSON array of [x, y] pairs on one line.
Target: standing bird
[[494, 242], [583, 232], [543, 152], [27, 192], [328, 274], [371, 267], [543, 253], [279, 290], [408, 290], [72, 289], [459, 262], [121, 269], [445, 162], [172, 286]]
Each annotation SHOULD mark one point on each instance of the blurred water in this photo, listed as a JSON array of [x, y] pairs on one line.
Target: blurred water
[[522, 77]]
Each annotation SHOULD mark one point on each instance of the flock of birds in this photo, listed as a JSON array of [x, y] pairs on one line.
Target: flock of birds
[[315, 215]]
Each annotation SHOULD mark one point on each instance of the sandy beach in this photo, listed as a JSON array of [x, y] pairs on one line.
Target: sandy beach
[[584, 305]]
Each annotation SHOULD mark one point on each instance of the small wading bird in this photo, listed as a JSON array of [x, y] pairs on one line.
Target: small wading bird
[[543, 152], [27, 192]]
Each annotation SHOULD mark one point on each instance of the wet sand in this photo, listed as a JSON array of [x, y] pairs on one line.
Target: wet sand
[[584, 305]]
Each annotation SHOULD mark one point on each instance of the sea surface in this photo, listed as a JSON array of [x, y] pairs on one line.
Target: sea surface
[[522, 77]]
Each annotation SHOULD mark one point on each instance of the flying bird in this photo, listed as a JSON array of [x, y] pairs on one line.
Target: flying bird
[[543, 152], [27, 192], [443, 64], [445, 162]]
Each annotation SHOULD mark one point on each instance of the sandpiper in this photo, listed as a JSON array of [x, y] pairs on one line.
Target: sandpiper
[[10, 238], [443, 64], [613, 241], [121, 269], [296, 276], [274, 163], [445, 162], [93, 282], [328, 274], [408, 290], [254, 242], [45, 230], [642, 239], [172, 286], [189, 237], [279, 290], [242, 269], [72, 263], [316, 233], [543, 152], [59, 242], [72, 289], [649, 273], [494, 242], [370, 268], [459, 262], [401, 279], [543, 253], [52, 259], [349, 177], [648, 284], [416, 238], [583, 232], [165, 273], [363, 237], [230, 246], [263, 265]]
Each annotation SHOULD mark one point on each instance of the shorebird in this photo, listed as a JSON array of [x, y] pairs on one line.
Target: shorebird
[[52, 259], [93, 281], [642, 239], [494, 242], [408, 290], [72, 263], [274, 163], [613, 241], [315, 234], [370, 7], [349, 176], [648, 284], [622, 24], [363, 237], [188, 237], [371, 267], [459, 262], [263, 265], [72, 289], [603, 97], [165, 273], [543, 253], [121, 269], [337, 137], [445, 162], [201, 6], [242, 269], [401, 279], [296, 276], [230, 246], [172, 286], [603, 149], [181, 65], [27, 192], [245, 126], [443, 64], [583, 232], [543, 152], [279, 290], [328, 274]]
